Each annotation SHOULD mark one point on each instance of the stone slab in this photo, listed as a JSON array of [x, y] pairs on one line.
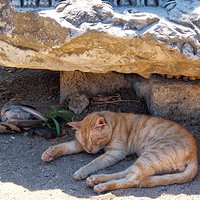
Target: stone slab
[[173, 99], [91, 84], [92, 36]]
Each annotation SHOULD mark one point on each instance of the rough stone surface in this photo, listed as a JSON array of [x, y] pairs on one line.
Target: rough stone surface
[[91, 84], [78, 102], [92, 36], [175, 99]]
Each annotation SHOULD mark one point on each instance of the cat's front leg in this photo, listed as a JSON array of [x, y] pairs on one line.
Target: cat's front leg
[[66, 148], [107, 159]]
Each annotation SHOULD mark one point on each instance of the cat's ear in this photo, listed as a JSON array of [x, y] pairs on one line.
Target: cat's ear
[[100, 122], [74, 125]]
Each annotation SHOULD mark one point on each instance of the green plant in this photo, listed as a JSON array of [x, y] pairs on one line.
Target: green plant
[[56, 117]]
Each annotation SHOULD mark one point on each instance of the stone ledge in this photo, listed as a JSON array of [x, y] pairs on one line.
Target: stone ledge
[[173, 99], [96, 37]]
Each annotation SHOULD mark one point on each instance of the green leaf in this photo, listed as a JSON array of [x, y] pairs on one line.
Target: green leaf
[[59, 113], [56, 117], [57, 126], [48, 125], [68, 112]]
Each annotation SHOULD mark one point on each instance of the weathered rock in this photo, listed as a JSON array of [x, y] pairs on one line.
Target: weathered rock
[[172, 99], [78, 102], [91, 84], [92, 36]]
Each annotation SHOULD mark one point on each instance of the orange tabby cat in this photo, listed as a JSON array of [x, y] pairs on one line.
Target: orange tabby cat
[[167, 151]]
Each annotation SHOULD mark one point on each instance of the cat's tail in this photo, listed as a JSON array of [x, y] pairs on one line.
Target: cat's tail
[[187, 175]]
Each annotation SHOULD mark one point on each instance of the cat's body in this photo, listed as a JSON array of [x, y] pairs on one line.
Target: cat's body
[[167, 151]]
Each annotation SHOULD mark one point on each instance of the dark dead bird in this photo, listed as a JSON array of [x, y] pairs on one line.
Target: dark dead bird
[[17, 118]]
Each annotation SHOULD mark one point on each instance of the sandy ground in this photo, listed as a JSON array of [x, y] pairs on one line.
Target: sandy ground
[[23, 176]]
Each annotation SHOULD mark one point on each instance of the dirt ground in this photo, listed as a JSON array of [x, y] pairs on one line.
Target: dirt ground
[[23, 176]]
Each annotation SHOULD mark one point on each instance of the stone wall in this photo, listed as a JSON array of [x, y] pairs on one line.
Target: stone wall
[[174, 99], [125, 37], [92, 84]]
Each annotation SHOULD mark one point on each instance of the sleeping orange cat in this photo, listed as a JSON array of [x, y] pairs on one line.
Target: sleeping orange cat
[[167, 151]]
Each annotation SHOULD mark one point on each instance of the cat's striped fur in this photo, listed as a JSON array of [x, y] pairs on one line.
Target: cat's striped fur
[[167, 151]]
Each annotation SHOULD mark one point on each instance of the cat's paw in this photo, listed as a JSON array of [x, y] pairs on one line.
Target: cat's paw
[[92, 181], [80, 174], [99, 188], [49, 154]]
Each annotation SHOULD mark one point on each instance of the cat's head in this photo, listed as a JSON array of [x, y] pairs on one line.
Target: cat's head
[[93, 132]]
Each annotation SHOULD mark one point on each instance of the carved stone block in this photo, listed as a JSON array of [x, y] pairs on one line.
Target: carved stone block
[[173, 99]]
